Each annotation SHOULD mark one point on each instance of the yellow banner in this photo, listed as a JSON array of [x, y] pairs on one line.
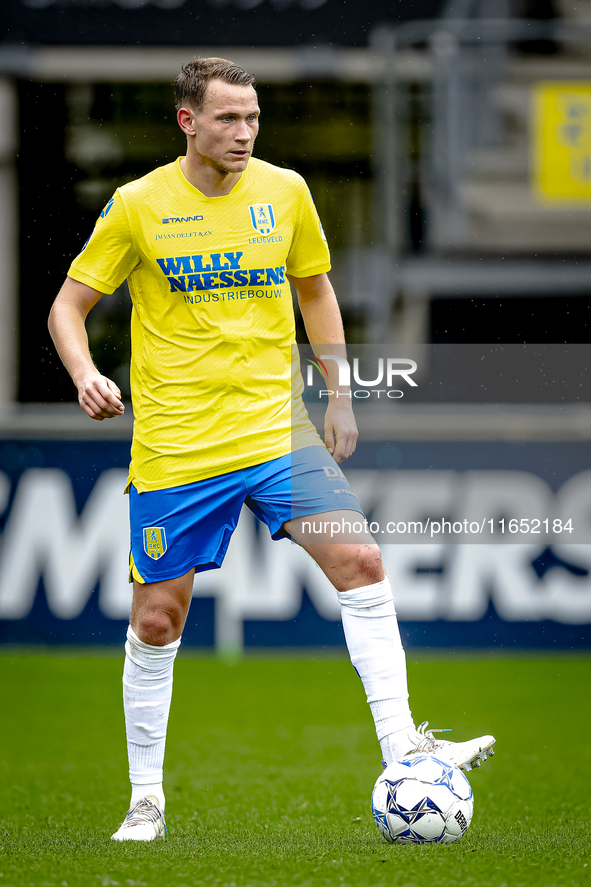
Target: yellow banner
[[561, 140]]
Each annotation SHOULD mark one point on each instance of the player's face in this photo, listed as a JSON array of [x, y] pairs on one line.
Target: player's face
[[226, 126]]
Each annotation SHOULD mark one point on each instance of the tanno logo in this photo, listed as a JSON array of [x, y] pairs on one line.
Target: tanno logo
[[106, 210], [174, 219], [387, 370]]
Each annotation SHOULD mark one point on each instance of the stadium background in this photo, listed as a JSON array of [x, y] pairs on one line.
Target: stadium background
[[415, 124]]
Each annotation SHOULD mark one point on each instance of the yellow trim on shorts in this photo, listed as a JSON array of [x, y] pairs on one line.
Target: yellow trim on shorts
[[134, 572]]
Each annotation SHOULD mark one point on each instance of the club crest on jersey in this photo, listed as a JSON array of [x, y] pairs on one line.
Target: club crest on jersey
[[154, 542], [262, 218]]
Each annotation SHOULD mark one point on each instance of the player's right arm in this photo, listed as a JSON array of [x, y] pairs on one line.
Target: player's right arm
[[98, 396]]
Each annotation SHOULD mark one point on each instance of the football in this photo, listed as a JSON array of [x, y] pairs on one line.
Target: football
[[422, 800]]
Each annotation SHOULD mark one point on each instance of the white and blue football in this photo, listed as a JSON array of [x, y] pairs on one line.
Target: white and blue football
[[422, 800]]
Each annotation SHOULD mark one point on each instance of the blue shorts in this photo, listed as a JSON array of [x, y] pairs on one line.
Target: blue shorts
[[189, 526]]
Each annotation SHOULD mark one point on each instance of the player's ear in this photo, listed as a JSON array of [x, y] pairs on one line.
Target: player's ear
[[186, 120]]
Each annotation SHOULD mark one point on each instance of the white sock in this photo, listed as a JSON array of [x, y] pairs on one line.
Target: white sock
[[376, 651], [147, 692], [153, 789]]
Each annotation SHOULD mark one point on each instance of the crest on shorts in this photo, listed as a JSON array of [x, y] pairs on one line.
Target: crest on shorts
[[154, 542], [262, 218]]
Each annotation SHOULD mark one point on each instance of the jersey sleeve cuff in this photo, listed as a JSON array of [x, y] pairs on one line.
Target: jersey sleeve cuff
[[98, 285], [310, 270]]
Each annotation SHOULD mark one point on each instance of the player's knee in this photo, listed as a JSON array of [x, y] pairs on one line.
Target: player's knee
[[359, 565], [369, 565], [158, 626]]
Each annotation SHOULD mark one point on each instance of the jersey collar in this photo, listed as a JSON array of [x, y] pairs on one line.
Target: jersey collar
[[180, 181]]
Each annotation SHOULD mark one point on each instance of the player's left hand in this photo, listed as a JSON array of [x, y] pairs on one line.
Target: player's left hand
[[340, 430]]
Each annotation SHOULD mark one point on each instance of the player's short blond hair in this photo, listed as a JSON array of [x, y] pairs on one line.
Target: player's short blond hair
[[191, 83]]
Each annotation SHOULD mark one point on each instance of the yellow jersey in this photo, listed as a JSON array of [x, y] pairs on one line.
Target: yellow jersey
[[215, 379]]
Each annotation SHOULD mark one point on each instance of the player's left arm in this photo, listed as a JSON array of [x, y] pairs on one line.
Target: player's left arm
[[324, 326]]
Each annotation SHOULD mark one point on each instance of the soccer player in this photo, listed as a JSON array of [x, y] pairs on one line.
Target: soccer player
[[208, 245]]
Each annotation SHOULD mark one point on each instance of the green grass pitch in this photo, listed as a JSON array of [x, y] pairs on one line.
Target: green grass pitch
[[269, 772]]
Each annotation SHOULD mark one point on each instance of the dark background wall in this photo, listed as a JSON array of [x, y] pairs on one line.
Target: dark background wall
[[202, 22]]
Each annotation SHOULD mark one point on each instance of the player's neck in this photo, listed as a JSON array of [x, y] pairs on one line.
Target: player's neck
[[210, 181]]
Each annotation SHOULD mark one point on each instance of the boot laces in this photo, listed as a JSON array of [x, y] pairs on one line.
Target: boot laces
[[427, 741], [143, 811]]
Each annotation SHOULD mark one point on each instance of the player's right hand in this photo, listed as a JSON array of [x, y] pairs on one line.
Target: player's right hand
[[100, 398]]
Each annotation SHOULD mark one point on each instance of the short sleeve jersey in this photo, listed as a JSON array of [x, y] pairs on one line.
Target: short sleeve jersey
[[214, 381]]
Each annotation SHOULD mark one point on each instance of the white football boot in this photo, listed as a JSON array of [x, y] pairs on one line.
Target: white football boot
[[143, 822], [465, 755]]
